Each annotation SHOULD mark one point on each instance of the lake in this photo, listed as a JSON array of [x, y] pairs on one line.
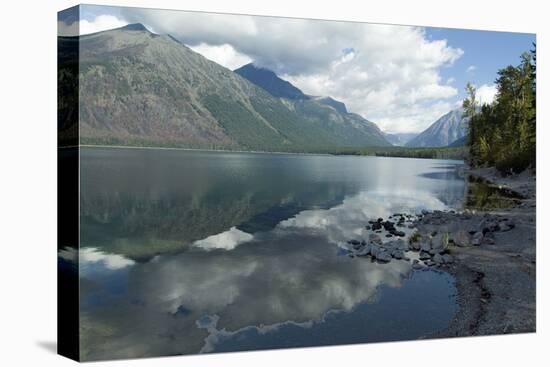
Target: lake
[[193, 251]]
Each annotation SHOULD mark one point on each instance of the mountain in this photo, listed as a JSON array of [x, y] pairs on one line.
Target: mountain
[[337, 105], [459, 142], [399, 139], [140, 88], [269, 81], [325, 112], [448, 128]]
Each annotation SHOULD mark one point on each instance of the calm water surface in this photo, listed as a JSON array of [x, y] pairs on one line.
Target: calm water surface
[[187, 251]]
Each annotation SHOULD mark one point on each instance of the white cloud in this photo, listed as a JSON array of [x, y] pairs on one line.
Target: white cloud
[[227, 240], [89, 256], [100, 23], [224, 55], [486, 93], [471, 68], [389, 74]]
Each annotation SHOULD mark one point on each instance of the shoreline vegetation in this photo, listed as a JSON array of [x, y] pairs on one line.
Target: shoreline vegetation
[[451, 153], [490, 246], [491, 253]]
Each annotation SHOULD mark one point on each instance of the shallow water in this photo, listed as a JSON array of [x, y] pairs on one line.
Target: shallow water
[[484, 195], [186, 251]]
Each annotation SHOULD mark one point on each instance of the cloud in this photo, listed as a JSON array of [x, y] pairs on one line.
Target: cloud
[[471, 69], [486, 93], [293, 276], [389, 74], [82, 27], [224, 55], [90, 256], [227, 240]]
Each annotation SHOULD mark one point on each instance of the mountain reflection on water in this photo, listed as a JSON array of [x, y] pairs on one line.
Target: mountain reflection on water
[[262, 269]]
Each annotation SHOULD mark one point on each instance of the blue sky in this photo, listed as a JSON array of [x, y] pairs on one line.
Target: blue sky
[[403, 78], [486, 51]]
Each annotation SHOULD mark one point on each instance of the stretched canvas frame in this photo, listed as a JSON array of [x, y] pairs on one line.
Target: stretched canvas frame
[[298, 220]]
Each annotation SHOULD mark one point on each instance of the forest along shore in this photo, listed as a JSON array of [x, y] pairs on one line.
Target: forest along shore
[[495, 260], [489, 248]]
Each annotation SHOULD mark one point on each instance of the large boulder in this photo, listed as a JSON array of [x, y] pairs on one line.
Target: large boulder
[[462, 238], [440, 242]]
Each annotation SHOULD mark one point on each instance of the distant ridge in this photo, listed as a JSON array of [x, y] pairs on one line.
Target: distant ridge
[[269, 81], [399, 139], [137, 88], [444, 131], [134, 27]]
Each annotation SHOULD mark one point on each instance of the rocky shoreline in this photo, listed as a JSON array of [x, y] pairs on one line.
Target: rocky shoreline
[[490, 253]]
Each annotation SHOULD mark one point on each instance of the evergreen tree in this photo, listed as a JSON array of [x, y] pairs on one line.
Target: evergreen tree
[[504, 133]]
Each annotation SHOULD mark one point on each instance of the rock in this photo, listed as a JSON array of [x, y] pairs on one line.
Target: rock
[[461, 238], [383, 256], [388, 226], [365, 251], [354, 242], [438, 259], [506, 226], [416, 265], [477, 238], [425, 246], [482, 226], [448, 259], [374, 238], [400, 244], [415, 246], [397, 254], [429, 262], [440, 242], [380, 220], [376, 226], [488, 241], [368, 227], [374, 250], [399, 233], [424, 255]]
